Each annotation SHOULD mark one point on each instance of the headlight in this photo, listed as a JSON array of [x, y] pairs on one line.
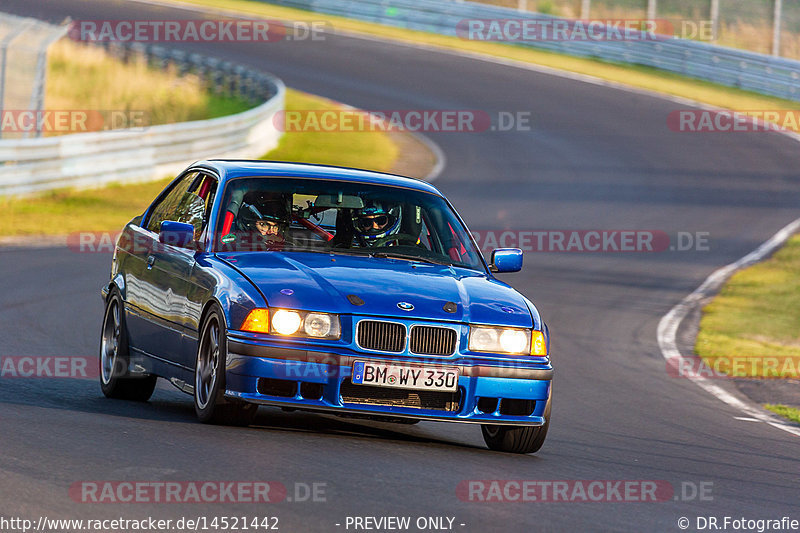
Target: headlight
[[514, 340], [288, 322], [504, 340], [318, 325]]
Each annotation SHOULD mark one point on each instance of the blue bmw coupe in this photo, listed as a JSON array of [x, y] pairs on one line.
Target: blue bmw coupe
[[327, 289]]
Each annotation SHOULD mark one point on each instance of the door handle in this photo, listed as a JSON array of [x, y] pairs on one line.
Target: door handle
[[150, 260]]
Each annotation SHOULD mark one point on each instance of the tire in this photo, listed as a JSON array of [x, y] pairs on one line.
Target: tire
[[517, 439], [210, 403], [115, 379]]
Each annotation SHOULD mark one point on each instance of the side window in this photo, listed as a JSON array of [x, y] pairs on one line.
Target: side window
[[198, 201], [189, 201], [167, 207], [191, 210]]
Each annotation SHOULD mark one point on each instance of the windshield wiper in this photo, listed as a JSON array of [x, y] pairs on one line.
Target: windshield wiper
[[409, 257], [386, 255]]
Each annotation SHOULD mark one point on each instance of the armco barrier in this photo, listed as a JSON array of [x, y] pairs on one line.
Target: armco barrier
[[96, 158], [726, 66]]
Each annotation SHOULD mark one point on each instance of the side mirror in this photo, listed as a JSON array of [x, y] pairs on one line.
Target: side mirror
[[177, 234], [506, 260]]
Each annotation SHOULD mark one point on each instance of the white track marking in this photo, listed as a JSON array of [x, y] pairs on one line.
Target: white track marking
[[668, 326], [438, 153], [441, 159]]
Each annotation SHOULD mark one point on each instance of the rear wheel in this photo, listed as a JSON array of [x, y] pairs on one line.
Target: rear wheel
[[115, 378], [517, 439], [210, 403]]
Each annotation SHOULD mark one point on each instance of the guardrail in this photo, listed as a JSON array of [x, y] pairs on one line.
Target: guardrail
[[726, 66], [97, 158]]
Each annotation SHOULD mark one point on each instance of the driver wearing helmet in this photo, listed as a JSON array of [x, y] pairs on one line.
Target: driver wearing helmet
[[375, 223], [264, 217]]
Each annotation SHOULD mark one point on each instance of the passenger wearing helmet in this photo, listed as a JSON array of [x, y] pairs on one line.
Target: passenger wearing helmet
[[264, 218], [376, 221]]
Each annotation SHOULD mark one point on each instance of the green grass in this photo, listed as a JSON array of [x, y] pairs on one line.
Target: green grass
[[635, 76], [67, 211], [370, 150], [76, 72], [109, 208], [756, 315], [785, 411]]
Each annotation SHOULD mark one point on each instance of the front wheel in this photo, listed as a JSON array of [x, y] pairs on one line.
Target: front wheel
[[210, 403], [517, 439], [115, 379]]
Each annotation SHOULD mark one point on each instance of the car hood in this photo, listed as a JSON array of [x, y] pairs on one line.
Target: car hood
[[323, 282]]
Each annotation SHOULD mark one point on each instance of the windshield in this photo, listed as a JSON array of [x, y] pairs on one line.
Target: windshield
[[296, 214]]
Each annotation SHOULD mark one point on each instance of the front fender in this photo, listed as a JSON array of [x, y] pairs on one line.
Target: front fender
[[231, 290]]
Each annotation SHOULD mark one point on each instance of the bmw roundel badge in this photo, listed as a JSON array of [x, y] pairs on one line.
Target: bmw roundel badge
[[405, 306]]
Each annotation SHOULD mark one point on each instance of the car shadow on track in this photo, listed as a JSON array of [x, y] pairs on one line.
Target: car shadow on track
[[274, 419], [168, 405], [84, 395]]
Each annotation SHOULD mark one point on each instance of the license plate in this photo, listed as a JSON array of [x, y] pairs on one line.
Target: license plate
[[405, 377]]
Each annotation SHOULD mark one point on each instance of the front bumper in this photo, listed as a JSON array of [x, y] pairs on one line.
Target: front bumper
[[521, 390]]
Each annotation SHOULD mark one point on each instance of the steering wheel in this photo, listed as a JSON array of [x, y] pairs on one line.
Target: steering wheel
[[399, 237]]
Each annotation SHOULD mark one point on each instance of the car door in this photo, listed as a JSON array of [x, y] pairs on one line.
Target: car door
[[174, 263], [154, 308]]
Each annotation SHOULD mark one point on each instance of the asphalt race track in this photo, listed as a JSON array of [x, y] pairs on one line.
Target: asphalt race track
[[595, 158]]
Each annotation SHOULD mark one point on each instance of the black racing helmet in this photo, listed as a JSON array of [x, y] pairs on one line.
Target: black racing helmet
[[376, 220], [257, 205]]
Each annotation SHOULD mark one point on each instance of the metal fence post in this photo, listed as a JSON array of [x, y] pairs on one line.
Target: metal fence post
[[776, 28], [586, 8], [37, 95], [4, 44], [651, 9], [714, 20]]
